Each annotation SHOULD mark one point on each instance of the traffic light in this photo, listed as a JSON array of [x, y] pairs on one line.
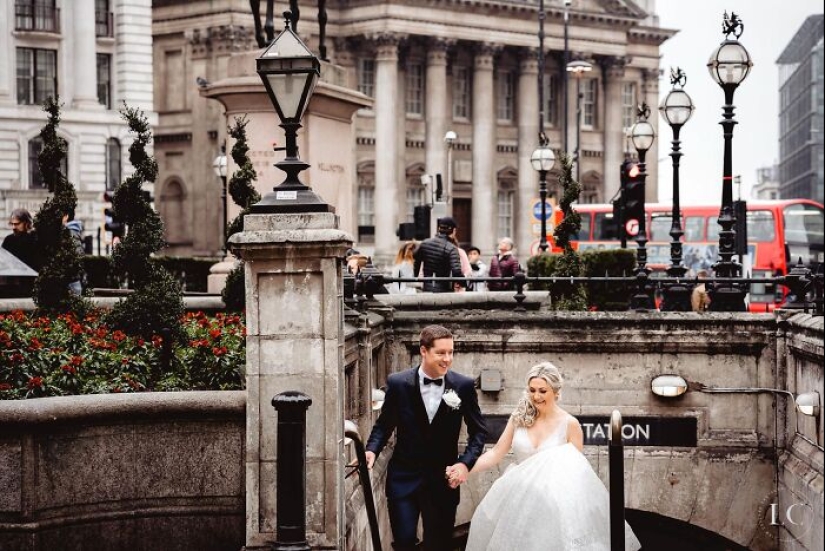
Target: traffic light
[[740, 240], [112, 223], [633, 195], [421, 219]]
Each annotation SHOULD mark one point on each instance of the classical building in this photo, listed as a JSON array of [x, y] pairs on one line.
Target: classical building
[[432, 67], [801, 101], [93, 54], [767, 183]]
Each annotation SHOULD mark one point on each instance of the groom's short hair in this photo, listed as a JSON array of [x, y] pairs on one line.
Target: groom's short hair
[[432, 333]]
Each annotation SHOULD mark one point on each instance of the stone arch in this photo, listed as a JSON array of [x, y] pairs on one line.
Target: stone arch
[[171, 207], [592, 187]]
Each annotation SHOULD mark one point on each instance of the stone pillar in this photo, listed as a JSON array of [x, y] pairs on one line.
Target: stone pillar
[[84, 91], [437, 109], [386, 145], [613, 71], [294, 342], [650, 94], [484, 151], [528, 130]]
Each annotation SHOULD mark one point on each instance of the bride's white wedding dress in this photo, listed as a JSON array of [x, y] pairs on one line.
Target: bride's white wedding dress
[[550, 501]]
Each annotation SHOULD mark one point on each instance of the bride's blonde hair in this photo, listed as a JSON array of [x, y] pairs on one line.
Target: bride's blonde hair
[[525, 413]]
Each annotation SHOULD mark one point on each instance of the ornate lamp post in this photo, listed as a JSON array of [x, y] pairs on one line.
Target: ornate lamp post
[[578, 68], [289, 72], [542, 161], [642, 136], [219, 166], [729, 65], [676, 109]]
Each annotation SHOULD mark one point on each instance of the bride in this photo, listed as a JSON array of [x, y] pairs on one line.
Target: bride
[[551, 500]]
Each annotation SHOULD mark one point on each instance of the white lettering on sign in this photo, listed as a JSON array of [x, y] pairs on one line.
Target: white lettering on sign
[[629, 432], [286, 195]]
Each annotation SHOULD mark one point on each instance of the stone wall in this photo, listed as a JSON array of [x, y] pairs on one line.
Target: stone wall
[[141, 471]]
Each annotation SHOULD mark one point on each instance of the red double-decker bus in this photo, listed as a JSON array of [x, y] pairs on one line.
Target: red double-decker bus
[[779, 233]]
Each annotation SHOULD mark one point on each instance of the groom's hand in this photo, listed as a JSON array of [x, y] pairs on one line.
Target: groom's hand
[[457, 475], [370, 457]]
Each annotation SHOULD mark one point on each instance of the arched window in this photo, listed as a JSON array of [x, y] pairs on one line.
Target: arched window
[[114, 166], [591, 187], [366, 202], [35, 178], [506, 201]]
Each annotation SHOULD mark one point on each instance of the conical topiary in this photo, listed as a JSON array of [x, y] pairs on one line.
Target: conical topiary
[[567, 296]]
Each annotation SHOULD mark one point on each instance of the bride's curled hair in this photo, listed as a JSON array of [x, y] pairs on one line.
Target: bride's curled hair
[[525, 413]]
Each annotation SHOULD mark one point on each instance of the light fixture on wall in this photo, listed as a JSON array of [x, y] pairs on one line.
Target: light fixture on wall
[[377, 399]]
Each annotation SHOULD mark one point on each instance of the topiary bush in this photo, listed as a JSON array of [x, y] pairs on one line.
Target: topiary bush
[[157, 302], [63, 262], [567, 296], [244, 195]]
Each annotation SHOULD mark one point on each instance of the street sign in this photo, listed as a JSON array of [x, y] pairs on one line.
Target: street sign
[[632, 227], [548, 210]]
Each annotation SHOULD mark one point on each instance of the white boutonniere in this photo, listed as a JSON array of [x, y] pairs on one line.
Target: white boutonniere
[[451, 399]]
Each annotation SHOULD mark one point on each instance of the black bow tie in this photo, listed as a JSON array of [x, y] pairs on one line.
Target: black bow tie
[[438, 382]]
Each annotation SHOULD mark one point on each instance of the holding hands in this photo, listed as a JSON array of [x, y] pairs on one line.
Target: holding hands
[[456, 474]]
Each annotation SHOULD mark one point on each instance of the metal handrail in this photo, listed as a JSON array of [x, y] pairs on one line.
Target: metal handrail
[[351, 432], [616, 469]]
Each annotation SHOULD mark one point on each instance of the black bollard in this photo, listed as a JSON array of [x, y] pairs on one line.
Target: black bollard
[[616, 470], [291, 478]]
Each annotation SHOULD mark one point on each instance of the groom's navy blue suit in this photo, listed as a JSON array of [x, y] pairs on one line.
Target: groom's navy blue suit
[[416, 474]]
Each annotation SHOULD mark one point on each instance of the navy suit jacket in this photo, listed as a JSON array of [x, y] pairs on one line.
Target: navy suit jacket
[[423, 450]]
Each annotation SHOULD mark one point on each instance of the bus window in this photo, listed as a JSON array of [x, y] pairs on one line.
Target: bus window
[[694, 228], [584, 232], [803, 224], [761, 226], [713, 228], [605, 228], [660, 226]]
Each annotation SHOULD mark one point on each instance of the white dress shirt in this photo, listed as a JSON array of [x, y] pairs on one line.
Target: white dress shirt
[[431, 394]]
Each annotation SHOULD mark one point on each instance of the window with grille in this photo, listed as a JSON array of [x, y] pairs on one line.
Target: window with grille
[[104, 80], [104, 21], [506, 95], [551, 100], [628, 104], [461, 92], [415, 89], [366, 77], [506, 208], [36, 15], [113, 164], [36, 75], [35, 177], [366, 210], [589, 104]]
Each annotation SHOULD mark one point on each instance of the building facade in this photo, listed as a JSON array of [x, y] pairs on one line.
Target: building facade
[[94, 55], [432, 67], [767, 183], [801, 102]]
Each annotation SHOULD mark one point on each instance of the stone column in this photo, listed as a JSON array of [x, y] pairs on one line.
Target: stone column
[[528, 130], [613, 71], [386, 145], [84, 70], [650, 94], [437, 109], [294, 342], [484, 151]]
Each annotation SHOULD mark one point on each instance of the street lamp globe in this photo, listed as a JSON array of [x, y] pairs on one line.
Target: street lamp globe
[[730, 63], [543, 159], [642, 135], [578, 67], [219, 165], [676, 107]]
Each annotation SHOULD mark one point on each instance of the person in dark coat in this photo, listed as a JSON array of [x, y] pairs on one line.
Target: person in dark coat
[[425, 407], [22, 241], [504, 264], [440, 258]]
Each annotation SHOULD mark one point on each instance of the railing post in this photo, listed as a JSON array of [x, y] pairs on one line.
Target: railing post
[[351, 432], [616, 470], [291, 478]]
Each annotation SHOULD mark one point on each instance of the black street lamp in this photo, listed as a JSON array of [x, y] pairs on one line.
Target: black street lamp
[[542, 161], [642, 136], [729, 65], [289, 72], [219, 166], [676, 109], [578, 68]]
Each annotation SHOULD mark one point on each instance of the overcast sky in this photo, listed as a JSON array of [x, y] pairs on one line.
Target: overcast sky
[[769, 26]]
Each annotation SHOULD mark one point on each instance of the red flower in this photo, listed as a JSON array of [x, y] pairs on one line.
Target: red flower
[[219, 350], [17, 357], [215, 333], [118, 335], [35, 344], [5, 386], [157, 340], [141, 342], [77, 360], [203, 322], [101, 332], [68, 369], [34, 382]]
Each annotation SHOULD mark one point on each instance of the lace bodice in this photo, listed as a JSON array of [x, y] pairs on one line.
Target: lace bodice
[[523, 447]]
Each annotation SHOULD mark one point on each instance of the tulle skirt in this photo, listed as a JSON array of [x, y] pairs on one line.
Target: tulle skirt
[[553, 501]]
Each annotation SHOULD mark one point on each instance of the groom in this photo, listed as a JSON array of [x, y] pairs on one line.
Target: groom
[[425, 406]]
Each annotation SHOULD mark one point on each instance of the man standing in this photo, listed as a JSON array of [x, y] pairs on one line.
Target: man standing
[[425, 405], [504, 264], [440, 258]]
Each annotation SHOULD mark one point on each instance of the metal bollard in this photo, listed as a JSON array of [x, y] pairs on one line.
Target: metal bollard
[[291, 477], [616, 470]]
